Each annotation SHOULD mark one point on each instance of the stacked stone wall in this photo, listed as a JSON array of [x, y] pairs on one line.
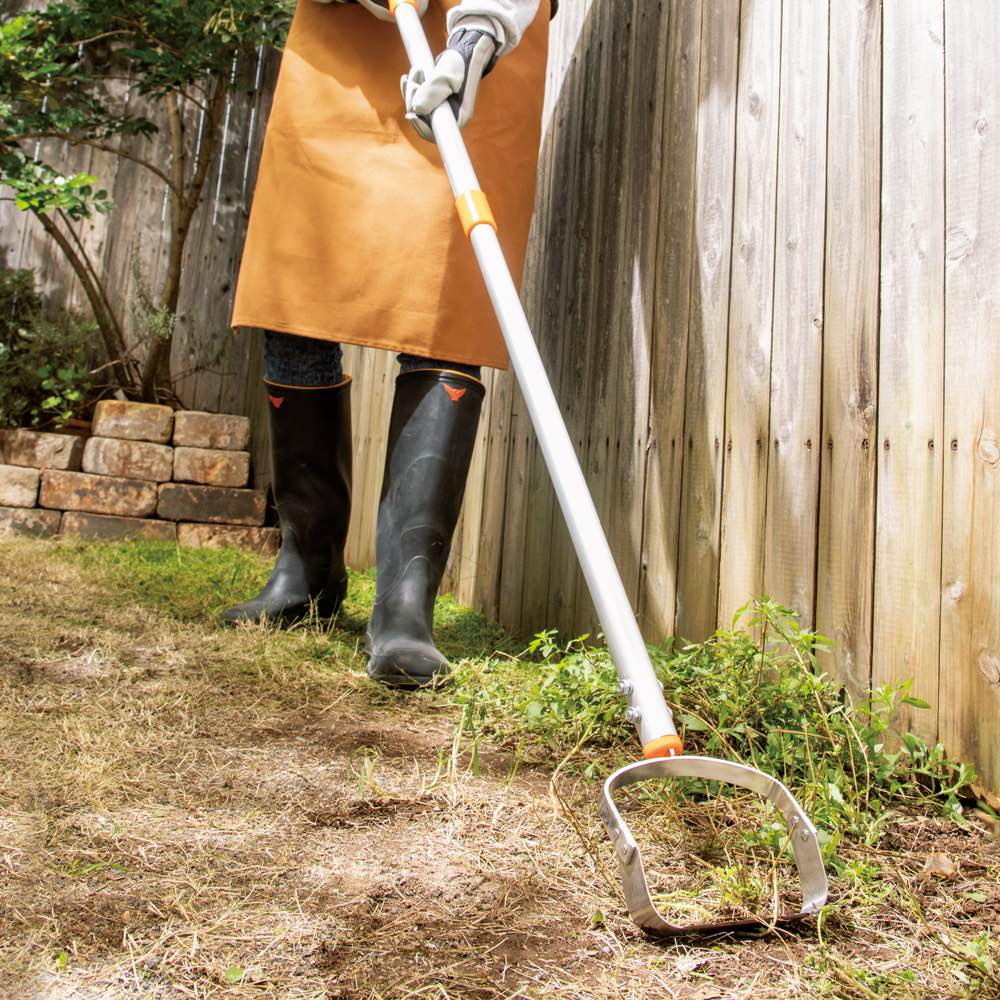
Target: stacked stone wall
[[145, 472]]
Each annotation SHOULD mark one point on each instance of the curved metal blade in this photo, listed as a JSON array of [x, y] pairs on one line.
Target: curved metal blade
[[802, 836]]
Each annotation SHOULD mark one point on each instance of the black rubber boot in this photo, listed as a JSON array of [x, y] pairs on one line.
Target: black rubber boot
[[435, 415], [311, 481]]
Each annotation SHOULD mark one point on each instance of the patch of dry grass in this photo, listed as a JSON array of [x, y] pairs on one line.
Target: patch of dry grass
[[192, 812]]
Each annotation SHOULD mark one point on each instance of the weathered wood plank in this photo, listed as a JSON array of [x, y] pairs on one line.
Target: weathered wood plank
[[797, 343], [377, 381], [705, 387], [744, 494], [850, 342], [486, 588], [911, 356], [500, 574], [627, 375], [970, 612], [611, 378], [557, 299], [671, 302]]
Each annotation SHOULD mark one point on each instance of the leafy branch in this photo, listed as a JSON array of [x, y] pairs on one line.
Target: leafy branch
[[62, 70]]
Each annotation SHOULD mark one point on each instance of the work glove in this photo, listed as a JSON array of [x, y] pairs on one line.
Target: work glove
[[380, 8], [470, 55]]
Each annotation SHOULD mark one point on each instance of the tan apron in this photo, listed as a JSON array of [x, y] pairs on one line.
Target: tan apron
[[353, 234]]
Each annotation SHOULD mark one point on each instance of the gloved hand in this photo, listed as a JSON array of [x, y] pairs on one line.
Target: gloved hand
[[380, 8], [470, 55]]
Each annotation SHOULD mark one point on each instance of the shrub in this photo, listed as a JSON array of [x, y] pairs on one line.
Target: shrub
[[45, 376]]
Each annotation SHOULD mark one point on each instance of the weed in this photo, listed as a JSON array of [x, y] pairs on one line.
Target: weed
[[751, 693], [246, 802]]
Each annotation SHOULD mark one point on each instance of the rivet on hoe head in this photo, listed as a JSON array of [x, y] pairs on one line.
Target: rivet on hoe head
[[632, 714], [625, 688]]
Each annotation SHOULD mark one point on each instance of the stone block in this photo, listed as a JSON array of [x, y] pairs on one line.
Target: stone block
[[210, 467], [226, 431], [128, 459], [18, 486], [213, 504], [264, 541], [97, 494], [40, 449], [115, 418], [101, 527], [26, 521]]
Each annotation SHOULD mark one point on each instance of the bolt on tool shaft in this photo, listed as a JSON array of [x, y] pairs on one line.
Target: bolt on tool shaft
[[647, 707], [638, 683]]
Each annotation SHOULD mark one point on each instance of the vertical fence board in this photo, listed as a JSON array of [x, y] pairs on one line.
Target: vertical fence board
[[797, 344], [850, 342], [970, 614], [629, 377], [670, 321], [611, 378], [908, 533], [705, 388], [565, 304], [744, 493]]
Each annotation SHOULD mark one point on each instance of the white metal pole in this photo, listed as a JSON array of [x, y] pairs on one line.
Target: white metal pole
[[647, 708]]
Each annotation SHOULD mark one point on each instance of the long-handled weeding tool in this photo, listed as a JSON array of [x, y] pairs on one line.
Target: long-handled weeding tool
[[638, 683]]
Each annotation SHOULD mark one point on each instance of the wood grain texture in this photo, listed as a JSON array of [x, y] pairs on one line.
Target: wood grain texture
[[911, 357], [670, 320], [850, 341], [748, 389], [617, 373], [970, 609], [563, 309], [705, 387], [629, 378], [797, 338]]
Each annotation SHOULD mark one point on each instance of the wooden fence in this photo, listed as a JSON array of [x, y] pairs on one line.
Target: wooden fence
[[765, 278]]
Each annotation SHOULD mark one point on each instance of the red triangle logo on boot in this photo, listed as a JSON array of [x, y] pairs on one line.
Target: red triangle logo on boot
[[275, 401], [456, 394]]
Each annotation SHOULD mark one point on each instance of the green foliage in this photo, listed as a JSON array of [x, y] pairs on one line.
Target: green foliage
[[38, 187], [94, 73], [58, 64], [45, 376], [753, 693]]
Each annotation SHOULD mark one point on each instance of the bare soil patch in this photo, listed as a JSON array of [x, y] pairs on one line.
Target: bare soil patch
[[192, 812]]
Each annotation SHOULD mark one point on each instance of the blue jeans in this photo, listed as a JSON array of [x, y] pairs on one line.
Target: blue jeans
[[304, 361]]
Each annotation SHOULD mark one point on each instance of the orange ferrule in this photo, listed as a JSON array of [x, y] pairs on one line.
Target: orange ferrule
[[394, 4], [663, 746], [474, 210]]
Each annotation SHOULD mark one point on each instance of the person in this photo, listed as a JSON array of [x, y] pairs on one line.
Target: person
[[353, 238]]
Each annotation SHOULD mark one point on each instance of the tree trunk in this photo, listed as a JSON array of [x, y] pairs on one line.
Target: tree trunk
[[107, 323], [184, 203]]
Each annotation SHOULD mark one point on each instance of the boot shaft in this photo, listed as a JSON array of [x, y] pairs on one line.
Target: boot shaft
[[432, 434], [311, 459]]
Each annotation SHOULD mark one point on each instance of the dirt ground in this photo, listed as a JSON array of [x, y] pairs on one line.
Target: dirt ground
[[192, 812]]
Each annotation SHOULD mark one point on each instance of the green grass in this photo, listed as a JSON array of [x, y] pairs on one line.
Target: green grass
[[120, 674], [197, 585], [752, 693]]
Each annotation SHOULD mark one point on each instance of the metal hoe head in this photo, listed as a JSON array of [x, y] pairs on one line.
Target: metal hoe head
[[802, 838], [646, 707]]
